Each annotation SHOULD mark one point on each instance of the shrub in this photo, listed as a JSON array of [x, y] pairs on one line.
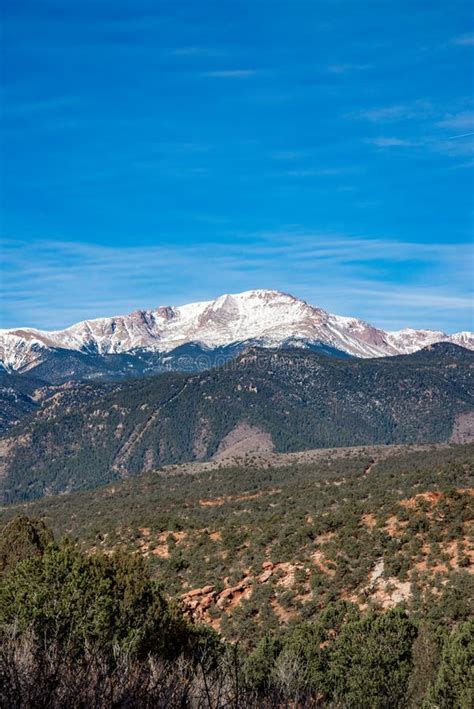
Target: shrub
[[371, 661], [454, 684], [93, 601]]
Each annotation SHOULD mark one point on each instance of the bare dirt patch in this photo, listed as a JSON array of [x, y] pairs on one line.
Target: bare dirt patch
[[320, 561], [201, 440], [370, 520], [243, 440], [413, 502], [217, 501], [394, 526], [463, 428]]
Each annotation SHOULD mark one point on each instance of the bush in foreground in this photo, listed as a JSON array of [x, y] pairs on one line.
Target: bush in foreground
[[96, 630]]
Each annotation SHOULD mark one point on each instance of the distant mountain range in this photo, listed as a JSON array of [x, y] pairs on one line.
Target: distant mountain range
[[85, 434], [200, 335]]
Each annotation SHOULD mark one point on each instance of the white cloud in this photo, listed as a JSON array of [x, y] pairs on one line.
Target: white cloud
[[463, 120], [346, 274], [453, 148]]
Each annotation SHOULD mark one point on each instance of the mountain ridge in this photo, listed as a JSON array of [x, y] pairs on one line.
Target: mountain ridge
[[267, 318], [88, 434]]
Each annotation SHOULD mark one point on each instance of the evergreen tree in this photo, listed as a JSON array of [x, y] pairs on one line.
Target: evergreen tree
[[454, 684], [371, 661]]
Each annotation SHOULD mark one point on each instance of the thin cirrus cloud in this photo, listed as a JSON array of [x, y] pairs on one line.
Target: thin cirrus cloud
[[289, 154], [195, 51], [420, 110], [429, 122], [463, 120], [384, 142], [448, 147], [384, 114], [354, 276], [466, 40], [229, 73], [322, 172], [345, 68]]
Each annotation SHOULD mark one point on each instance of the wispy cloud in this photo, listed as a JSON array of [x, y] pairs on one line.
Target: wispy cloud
[[464, 40], [377, 115], [229, 73], [383, 142], [397, 112], [345, 274], [289, 154], [196, 51], [322, 172], [460, 121], [345, 68], [448, 147], [462, 135], [427, 132], [452, 148]]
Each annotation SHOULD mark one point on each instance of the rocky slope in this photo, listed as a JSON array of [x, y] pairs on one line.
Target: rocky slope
[[198, 335], [86, 435]]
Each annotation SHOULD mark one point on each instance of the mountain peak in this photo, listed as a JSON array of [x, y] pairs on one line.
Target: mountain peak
[[266, 317]]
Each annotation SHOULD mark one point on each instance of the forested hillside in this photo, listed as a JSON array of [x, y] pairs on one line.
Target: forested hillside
[[86, 435], [17, 398]]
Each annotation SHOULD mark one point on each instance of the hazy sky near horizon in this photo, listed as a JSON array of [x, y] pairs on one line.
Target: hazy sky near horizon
[[166, 151]]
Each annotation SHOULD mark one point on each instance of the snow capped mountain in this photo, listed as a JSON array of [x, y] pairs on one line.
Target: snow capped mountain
[[408, 340], [269, 318]]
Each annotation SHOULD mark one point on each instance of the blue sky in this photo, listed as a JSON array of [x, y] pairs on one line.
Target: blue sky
[[164, 152]]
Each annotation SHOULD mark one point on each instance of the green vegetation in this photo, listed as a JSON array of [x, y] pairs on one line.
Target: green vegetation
[[23, 538], [84, 630], [110, 601], [345, 581], [86, 435], [292, 539], [16, 398], [454, 683]]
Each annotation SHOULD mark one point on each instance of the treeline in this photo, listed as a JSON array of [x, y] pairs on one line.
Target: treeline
[[96, 630]]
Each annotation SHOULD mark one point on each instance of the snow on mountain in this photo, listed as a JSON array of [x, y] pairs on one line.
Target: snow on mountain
[[464, 339], [409, 340], [268, 317]]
